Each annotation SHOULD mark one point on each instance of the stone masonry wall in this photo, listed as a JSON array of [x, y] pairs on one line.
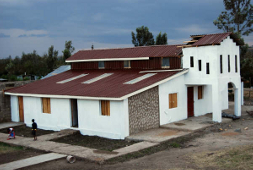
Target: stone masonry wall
[[5, 108], [5, 103], [144, 111]]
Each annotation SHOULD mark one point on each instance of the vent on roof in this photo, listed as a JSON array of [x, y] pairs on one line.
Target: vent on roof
[[136, 80], [97, 78], [70, 79]]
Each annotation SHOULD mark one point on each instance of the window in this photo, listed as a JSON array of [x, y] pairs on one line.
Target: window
[[172, 100], [200, 92], [228, 63], [101, 64], [105, 107], [221, 70], [207, 68], [199, 65], [191, 62], [46, 108], [127, 64], [166, 62], [236, 63]]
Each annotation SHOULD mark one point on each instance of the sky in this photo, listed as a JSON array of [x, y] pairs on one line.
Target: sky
[[27, 25]]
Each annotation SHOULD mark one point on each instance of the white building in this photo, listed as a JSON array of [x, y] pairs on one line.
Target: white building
[[117, 92]]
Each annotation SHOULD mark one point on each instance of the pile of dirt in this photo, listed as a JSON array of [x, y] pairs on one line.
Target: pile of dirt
[[25, 131], [94, 142]]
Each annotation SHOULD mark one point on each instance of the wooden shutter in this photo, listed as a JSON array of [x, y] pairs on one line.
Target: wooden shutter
[[200, 92], [173, 100], [21, 108], [46, 105], [105, 107]]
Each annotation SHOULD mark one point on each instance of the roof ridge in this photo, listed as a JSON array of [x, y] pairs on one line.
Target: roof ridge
[[212, 34], [121, 48]]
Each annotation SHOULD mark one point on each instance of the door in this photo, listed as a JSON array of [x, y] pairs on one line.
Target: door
[[190, 101], [74, 113], [21, 108]]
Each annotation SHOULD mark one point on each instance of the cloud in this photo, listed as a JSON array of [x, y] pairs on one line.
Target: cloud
[[23, 33], [98, 17], [194, 29], [4, 36]]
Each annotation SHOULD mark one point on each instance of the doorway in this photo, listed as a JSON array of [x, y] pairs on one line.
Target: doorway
[[190, 101], [74, 113], [21, 108]]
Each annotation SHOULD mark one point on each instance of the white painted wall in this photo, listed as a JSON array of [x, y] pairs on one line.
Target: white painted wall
[[57, 120], [175, 114], [204, 105], [14, 109], [218, 81], [91, 122]]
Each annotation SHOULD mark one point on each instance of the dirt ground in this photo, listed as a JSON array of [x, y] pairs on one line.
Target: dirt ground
[[26, 131], [192, 152], [94, 142], [13, 153]]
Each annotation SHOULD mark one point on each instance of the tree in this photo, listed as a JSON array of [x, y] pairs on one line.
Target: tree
[[51, 58], [68, 50], [143, 37], [237, 18], [161, 39]]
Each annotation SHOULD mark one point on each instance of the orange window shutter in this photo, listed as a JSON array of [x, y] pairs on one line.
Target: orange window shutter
[[200, 92], [170, 101], [48, 106], [108, 108], [174, 100]]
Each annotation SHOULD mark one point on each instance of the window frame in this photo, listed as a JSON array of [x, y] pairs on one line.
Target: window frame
[[221, 64], [103, 64], [229, 69], [128, 63], [172, 103], [207, 68], [236, 64], [191, 61], [46, 105], [162, 62], [200, 65]]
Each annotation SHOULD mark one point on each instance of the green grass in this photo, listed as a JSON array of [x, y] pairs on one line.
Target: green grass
[[175, 145], [5, 148], [240, 157]]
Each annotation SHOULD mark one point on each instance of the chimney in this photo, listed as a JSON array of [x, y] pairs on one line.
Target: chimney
[[92, 46]]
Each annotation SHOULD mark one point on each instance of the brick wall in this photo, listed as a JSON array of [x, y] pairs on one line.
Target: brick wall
[[144, 111]]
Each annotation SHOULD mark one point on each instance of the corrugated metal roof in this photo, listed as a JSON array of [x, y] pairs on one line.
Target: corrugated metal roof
[[134, 52], [58, 71], [210, 39], [112, 86]]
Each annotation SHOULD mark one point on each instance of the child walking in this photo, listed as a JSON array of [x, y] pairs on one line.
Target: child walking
[[34, 129]]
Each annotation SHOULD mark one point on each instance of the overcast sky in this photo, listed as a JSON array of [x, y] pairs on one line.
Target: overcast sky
[[27, 25]]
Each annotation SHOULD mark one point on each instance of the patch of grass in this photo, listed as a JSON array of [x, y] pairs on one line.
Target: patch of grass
[[175, 145], [235, 158], [5, 148]]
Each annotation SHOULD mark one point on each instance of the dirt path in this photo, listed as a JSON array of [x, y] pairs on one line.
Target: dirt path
[[176, 158]]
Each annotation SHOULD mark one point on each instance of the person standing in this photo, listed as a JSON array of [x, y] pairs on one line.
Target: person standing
[[34, 129]]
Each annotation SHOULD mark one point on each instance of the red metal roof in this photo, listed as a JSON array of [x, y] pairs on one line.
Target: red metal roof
[[134, 52], [210, 39], [112, 86]]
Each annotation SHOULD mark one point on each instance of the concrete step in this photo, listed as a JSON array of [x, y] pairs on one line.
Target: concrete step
[[31, 161]]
